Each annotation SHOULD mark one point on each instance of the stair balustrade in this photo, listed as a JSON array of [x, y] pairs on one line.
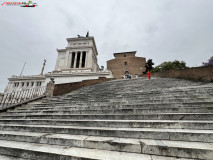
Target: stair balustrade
[[20, 96]]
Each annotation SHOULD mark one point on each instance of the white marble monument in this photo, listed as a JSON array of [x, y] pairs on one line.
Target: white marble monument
[[77, 62]]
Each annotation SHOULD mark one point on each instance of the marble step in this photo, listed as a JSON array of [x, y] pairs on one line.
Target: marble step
[[113, 101], [148, 97], [115, 111], [180, 149], [56, 152], [141, 102], [139, 94], [153, 116], [172, 124], [5, 157], [145, 133], [132, 105]]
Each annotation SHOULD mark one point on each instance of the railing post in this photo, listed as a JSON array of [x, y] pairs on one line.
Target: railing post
[[50, 88], [5, 99]]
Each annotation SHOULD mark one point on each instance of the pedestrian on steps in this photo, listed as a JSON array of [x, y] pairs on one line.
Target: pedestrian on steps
[[148, 74]]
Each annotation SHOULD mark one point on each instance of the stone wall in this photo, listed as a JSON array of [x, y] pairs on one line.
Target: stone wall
[[68, 87], [204, 73]]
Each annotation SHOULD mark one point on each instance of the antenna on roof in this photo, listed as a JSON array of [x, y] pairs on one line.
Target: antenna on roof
[[22, 69]]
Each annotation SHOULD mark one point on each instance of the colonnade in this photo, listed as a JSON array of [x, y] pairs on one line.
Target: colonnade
[[78, 59]]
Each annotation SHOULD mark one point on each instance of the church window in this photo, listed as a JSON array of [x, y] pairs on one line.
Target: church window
[[32, 83], [125, 64], [27, 84], [22, 84]]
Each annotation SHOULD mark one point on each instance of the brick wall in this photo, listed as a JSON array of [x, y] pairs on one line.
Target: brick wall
[[61, 89], [204, 73], [135, 65]]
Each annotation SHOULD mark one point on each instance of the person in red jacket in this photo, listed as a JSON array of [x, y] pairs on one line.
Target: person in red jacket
[[148, 74]]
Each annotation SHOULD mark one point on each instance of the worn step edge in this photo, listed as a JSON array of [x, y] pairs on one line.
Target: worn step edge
[[145, 116], [147, 133], [50, 152], [180, 149], [111, 111], [172, 124]]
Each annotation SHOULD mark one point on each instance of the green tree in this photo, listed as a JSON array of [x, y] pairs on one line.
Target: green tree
[[169, 65]]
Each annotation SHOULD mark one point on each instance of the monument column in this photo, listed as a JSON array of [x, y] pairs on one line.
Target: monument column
[[86, 59], [76, 53], [69, 60], [80, 59]]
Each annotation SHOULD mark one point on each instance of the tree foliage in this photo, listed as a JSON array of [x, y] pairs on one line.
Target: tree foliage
[[170, 65], [148, 66], [210, 62]]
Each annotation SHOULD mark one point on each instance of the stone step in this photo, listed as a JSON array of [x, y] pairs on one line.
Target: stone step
[[145, 133], [139, 90], [143, 93], [115, 111], [134, 94], [180, 149], [5, 157], [142, 101], [139, 103], [157, 119], [172, 124], [157, 116], [175, 104], [128, 108], [56, 152], [147, 97]]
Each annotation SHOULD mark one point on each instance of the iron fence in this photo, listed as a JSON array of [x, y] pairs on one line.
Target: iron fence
[[17, 97]]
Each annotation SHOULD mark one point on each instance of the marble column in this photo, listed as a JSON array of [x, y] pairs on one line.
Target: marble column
[[76, 54], [69, 60], [81, 55], [86, 59]]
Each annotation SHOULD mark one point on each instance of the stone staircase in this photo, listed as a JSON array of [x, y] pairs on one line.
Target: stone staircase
[[138, 119]]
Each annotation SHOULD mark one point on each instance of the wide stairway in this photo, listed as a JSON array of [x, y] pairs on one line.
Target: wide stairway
[[138, 119]]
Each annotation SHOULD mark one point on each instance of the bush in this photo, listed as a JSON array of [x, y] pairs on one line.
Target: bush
[[169, 65]]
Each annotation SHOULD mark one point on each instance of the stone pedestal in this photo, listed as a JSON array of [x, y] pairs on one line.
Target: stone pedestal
[[50, 88]]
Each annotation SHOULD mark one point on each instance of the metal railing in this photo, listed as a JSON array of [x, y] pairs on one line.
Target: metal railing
[[20, 96]]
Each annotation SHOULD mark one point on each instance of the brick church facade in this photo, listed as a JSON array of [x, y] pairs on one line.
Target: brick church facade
[[126, 63]]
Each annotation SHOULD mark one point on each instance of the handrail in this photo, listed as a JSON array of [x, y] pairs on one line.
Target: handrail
[[17, 97]]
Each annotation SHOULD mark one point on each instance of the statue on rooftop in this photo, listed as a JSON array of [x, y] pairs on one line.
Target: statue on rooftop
[[87, 35]]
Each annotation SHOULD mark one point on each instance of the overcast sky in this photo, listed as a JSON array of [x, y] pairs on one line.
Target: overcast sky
[[163, 30]]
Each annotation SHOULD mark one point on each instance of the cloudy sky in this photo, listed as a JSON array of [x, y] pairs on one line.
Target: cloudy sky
[[164, 30]]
